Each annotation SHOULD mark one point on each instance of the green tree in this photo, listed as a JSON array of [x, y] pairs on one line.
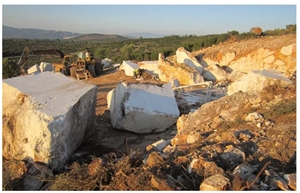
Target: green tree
[[233, 33], [100, 53], [127, 51], [9, 68]]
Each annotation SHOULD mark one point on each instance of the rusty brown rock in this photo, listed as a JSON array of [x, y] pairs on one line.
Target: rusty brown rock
[[160, 184], [94, 166], [154, 159]]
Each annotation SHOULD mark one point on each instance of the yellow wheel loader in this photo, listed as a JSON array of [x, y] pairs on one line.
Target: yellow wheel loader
[[82, 65]]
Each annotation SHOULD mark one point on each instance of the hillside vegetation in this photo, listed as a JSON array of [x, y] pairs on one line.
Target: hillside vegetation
[[141, 49]]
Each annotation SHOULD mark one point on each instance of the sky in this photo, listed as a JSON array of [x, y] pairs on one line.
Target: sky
[[197, 19]]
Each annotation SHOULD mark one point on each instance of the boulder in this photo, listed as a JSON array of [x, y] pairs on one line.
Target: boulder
[[214, 72], [183, 56], [45, 117], [35, 69], [128, 67], [182, 72], [256, 80], [143, 108]]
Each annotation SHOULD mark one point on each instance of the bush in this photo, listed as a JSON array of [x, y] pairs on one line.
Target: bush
[[9, 68]]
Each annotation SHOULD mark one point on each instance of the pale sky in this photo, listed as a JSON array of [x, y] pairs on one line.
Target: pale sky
[[198, 19]]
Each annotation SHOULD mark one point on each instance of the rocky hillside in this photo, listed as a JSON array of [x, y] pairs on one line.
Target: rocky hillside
[[271, 52], [242, 141]]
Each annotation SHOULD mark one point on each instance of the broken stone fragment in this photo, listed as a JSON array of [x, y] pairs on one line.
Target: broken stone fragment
[[35, 69], [160, 184], [232, 156], [282, 184], [94, 166], [161, 144], [275, 181], [209, 168], [216, 182], [245, 170], [154, 159], [253, 117], [36, 175], [169, 149], [291, 179]]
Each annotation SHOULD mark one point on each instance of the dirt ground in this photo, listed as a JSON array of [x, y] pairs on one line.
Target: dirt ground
[[103, 138]]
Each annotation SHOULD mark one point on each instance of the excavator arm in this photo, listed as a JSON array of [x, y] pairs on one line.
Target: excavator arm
[[27, 52]]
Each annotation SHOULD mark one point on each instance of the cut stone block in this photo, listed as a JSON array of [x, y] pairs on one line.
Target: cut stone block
[[256, 80], [35, 69], [143, 108], [128, 67], [182, 72], [44, 67], [150, 66], [45, 117]]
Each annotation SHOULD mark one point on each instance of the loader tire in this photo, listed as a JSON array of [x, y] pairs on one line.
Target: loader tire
[[98, 68], [91, 69]]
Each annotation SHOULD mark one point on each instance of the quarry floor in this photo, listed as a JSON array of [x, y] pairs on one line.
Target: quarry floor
[[122, 171], [103, 138]]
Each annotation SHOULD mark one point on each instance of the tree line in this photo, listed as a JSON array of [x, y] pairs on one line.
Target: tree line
[[141, 49]]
